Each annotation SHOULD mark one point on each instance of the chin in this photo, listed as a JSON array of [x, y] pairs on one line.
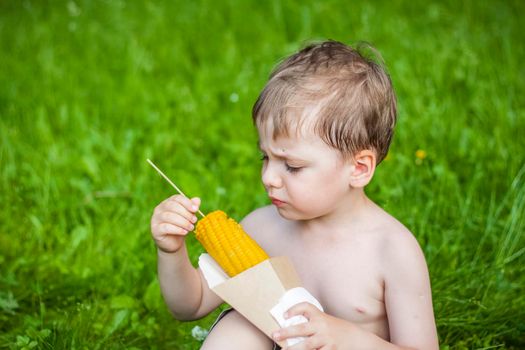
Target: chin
[[292, 214], [286, 214]]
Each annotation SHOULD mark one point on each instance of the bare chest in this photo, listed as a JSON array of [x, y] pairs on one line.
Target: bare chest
[[345, 279]]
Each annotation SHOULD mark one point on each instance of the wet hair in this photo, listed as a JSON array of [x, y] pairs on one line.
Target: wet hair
[[346, 97]]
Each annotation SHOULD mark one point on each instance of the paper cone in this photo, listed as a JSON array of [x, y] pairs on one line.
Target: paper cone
[[255, 291]]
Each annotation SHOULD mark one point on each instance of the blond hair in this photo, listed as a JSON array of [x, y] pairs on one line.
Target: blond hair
[[348, 98]]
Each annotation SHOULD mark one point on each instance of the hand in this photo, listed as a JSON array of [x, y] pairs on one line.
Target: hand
[[322, 331], [172, 220]]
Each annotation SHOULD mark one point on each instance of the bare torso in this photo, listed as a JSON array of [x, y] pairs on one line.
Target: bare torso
[[365, 268], [343, 271]]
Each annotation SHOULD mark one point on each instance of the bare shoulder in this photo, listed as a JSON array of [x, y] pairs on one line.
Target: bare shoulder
[[399, 249], [259, 216], [396, 242], [398, 235], [263, 224]]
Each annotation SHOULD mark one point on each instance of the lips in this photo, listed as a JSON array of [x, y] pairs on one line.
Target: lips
[[277, 202]]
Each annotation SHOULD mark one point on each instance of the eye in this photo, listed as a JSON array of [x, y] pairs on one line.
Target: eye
[[292, 169]]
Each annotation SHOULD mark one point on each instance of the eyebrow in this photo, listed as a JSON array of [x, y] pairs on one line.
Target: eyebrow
[[290, 157]]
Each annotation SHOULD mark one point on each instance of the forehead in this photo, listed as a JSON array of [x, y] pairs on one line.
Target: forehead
[[298, 131], [298, 121], [301, 144]]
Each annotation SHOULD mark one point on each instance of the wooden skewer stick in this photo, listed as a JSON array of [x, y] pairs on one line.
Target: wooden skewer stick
[[170, 182]]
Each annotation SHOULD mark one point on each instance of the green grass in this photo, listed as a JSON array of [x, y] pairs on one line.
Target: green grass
[[90, 89]]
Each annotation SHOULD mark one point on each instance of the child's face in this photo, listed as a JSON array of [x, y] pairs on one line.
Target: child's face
[[304, 177]]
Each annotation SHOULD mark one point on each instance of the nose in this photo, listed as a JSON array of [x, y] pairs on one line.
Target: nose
[[270, 177]]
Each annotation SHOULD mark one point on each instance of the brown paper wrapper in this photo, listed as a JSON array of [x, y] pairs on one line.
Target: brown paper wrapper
[[255, 291]]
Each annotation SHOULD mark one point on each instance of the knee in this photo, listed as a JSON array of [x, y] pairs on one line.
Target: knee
[[234, 331]]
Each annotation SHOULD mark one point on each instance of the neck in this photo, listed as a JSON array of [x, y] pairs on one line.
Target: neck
[[351, 212]]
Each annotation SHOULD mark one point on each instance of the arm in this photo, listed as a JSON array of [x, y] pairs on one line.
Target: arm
[[408, 297], [184, 289]]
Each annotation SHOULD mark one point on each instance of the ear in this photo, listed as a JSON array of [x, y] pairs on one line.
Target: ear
[[364, 163]]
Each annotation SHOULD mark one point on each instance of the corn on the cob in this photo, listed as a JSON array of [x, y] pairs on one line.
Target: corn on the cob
[[227, 243]]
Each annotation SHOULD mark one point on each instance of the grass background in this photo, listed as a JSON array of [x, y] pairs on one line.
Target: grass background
[[90, 89]]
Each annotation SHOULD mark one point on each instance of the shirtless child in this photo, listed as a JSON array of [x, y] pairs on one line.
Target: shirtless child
[[325, 121]]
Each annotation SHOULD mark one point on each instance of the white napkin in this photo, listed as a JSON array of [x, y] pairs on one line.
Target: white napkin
[[290, 298], [211, 270]]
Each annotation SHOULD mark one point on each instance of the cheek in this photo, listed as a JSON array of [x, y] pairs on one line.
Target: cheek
[[309, 190], [307, 204], [317, 190]]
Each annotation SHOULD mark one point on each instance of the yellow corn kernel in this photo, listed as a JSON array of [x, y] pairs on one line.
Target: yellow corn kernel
[[227, 243]]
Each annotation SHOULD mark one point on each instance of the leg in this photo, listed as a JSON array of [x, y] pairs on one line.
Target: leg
[[235, 332]]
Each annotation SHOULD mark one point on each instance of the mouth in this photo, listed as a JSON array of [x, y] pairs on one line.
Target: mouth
[[277, 202]]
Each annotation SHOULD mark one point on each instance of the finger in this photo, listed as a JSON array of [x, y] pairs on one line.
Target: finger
[[310, 343], [306, 309], [189, 204], [300, 330], [177, 220], [176, 200], [167, 229], [178, 208]]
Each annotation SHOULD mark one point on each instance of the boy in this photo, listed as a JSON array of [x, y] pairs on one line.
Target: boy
[[325, 120]]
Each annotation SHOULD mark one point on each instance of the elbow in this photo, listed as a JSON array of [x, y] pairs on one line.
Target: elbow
[[183, 316], [184, 311], [187, 314]]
